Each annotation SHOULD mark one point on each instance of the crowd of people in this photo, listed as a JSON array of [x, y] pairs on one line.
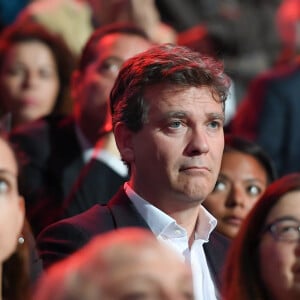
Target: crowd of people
[[149, 150]]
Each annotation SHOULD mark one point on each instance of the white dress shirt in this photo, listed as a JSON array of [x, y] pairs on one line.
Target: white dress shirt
[[167, 230]]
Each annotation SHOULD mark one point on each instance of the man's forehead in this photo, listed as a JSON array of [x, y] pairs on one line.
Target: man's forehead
[[113, 38], [183, 101], [121, 46], [168, 91]]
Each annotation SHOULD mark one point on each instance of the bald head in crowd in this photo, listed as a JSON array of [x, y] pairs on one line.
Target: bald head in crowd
[[124, 264]]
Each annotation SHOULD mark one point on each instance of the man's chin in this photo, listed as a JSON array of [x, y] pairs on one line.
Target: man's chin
[[195, 191], [194, 194]]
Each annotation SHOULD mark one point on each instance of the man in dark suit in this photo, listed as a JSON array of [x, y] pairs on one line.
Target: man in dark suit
[[57, 148], [167, 109], [269, 115]]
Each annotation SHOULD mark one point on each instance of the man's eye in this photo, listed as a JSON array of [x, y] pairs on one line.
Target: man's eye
[[254, 190], [110, 67], [175, 124], [215, 124]]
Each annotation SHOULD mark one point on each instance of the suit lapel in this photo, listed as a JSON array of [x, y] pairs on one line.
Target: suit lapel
[[70, 173], [215, 252], [124, 212]]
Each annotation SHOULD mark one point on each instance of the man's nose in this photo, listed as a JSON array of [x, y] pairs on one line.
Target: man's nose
[[198, 142]]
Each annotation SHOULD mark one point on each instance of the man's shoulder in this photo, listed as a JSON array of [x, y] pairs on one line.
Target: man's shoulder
[[278, 75], [97, 219], [119, 212], [60, 239], [93, 221]]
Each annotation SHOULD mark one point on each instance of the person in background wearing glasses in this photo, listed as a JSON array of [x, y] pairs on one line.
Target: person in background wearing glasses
[[264, 259]]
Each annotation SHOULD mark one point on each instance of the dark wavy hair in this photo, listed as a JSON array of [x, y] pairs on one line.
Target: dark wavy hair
[[30, 31], [170, 64], [237, 143]]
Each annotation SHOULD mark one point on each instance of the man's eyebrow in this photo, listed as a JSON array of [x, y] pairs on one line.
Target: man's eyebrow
[[219, 116], [183, 114], [113, 59], [176, 114]]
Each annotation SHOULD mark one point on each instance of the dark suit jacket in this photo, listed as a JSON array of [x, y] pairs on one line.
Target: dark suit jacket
[[269, 115], [55, 181], [53, 160], [96, 183], [279, 123], [66, 236]]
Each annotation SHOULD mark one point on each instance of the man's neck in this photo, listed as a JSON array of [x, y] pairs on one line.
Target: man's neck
[[187, 218], [90, 129], [185, 212], [89, 134]]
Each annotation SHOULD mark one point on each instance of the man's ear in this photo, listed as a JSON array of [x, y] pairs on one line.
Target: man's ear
[[123, 137]]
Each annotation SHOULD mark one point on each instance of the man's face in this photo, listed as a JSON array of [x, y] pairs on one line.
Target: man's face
[[177, 154], [92, 87]]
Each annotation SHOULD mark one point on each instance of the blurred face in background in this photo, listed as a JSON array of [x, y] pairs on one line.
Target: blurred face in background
[[29, 81], [242, 180], [91, 87], [140, 273], [124, 264], [279, 259], [11, 204], [288, 24]]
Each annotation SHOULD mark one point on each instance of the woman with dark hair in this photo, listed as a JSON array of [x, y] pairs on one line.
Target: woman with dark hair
[[35, 69], [15, 240], [16, 277], [264, 259], [245, 172]]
